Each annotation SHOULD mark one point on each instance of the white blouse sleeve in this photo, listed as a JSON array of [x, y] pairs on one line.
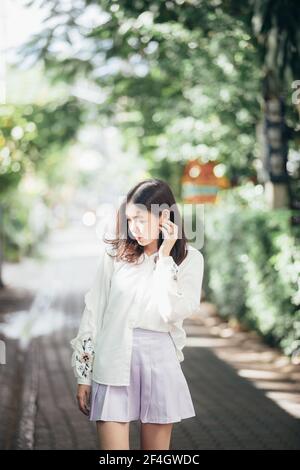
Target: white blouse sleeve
[[96, 298], [178, 289]]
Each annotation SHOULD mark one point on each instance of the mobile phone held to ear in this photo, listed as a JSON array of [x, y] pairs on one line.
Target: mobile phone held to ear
[[166, 214]]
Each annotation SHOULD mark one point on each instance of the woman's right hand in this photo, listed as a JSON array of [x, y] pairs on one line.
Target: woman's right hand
[[83, 398]]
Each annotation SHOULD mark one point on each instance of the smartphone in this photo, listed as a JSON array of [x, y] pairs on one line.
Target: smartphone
[[166, 214]]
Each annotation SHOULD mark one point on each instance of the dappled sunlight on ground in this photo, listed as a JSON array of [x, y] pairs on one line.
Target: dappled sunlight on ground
[[266, 368]]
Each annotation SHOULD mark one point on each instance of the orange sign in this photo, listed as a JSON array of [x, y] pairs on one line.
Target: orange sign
[[200, 182]]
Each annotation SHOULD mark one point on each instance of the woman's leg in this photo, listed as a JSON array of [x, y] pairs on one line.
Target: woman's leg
[[156, 436], [113, 435]]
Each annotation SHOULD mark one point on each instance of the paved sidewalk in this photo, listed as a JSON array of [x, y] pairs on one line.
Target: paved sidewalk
[[246, 395]]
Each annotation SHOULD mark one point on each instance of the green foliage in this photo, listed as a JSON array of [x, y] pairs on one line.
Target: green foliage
[[19, 234], [168, 171], [185, 76], [254, 265], [174, 74], [33, 144], [29, 134]]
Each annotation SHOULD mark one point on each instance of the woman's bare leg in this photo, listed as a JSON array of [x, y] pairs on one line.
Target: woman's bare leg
[[113, 435], [156, 436]]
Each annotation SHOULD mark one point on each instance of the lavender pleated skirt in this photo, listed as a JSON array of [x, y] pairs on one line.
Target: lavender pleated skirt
[[158, 390]]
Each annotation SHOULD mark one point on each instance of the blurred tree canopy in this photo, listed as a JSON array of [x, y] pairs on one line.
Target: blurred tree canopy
[[181, 78], [29, 134]]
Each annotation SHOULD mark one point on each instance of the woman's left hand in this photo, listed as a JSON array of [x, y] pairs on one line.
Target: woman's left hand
[[170, 234]]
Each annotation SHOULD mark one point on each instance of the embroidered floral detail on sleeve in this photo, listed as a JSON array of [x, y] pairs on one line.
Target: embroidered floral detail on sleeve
[[84, 359]]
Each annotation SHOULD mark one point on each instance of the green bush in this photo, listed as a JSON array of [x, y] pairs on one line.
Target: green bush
[[254, 265], [20, 236]]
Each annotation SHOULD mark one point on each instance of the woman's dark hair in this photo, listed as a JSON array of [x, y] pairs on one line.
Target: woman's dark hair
[[148, 192]]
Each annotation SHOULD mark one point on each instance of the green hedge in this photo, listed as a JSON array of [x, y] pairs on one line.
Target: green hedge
[[253, 265], [21, 233]]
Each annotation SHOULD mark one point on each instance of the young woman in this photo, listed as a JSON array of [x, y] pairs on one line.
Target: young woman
[[128, 349]]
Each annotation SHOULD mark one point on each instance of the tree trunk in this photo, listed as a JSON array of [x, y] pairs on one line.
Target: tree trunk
[[274, 146]]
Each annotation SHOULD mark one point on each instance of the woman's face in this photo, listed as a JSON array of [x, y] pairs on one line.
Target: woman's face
[[143, 225]]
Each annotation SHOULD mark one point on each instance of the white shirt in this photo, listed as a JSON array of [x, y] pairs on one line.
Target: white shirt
[[156, 294]]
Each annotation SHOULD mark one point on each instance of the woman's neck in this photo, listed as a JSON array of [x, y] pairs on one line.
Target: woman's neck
[[151, 248]]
